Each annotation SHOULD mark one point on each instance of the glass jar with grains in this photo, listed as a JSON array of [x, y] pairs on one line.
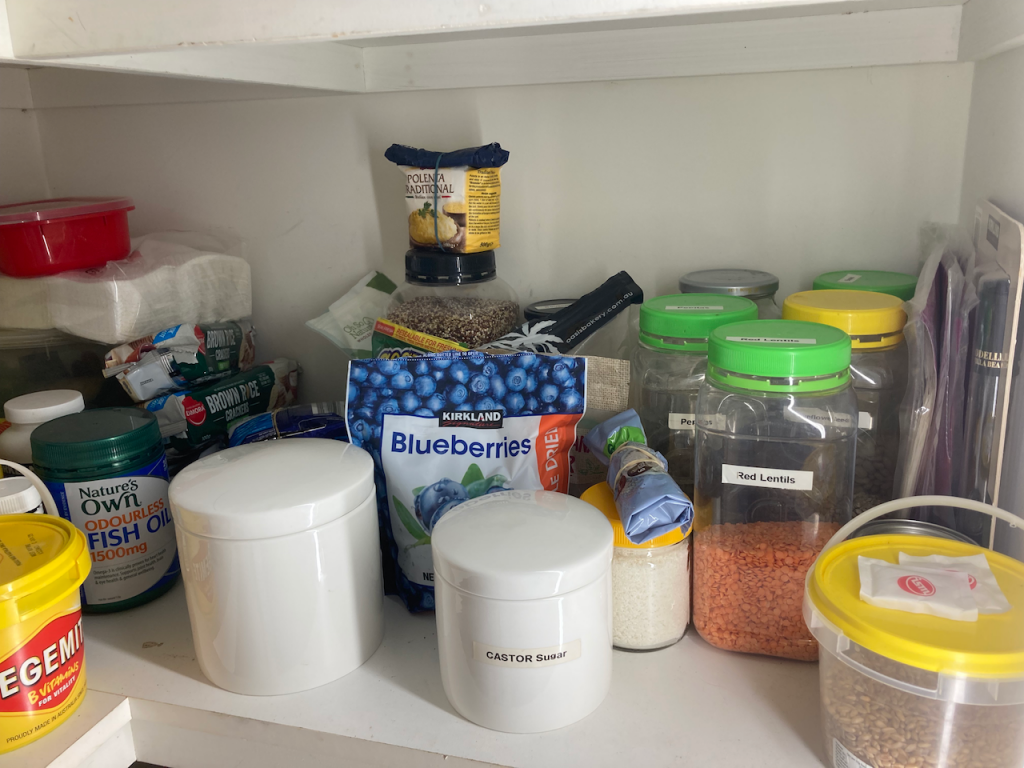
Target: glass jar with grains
[[668, 367], [650, 582], [878, 369], [776, 435], [455, 296]]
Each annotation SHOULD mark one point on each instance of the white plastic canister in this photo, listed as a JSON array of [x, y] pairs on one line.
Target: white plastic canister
[[280, 557], [523, 602]]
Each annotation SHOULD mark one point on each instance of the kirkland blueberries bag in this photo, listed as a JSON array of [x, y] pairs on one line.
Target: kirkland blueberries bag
[[446, 428]]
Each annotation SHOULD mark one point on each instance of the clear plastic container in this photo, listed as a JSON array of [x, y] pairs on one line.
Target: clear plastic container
[[776, 436], [760, 287], [650, 583], [668, 367], [458, 297], [904, 690], [34, 360], [878, 370]]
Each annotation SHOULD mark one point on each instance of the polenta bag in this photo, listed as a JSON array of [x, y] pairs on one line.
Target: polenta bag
[[453, 198], [446, 428]]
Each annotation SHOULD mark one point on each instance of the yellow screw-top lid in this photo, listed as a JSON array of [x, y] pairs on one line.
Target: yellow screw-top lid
[[42, 560], [873, 320], [600, 496], [991, 647]]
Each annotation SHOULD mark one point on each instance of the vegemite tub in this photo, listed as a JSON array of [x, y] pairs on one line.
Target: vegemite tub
[[107, 471], [43, 561]]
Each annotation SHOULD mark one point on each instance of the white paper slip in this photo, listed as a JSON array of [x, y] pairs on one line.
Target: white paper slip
[[984, 588], [786, 479], [686, 421], [934, 592]]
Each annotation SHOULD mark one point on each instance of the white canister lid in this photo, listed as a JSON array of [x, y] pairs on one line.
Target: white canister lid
[[40, 407], [268, 489], [522, 545], [18, 495]]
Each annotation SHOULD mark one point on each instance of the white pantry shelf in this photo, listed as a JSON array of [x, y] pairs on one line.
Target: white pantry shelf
[[359, 46], [687, 705]]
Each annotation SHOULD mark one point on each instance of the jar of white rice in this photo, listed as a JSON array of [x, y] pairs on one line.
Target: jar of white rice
[[650, 583]]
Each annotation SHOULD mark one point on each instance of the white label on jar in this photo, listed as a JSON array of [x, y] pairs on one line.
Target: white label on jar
[[527, 658], [712, 421], [686, 421], [695, 307], [864, 420], [818, 416], [850, 278], [770, 340], [791, 479], [844, 758]]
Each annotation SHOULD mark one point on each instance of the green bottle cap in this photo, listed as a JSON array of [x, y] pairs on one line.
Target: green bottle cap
[[893, 283], [683, 321], [779, 356], [104, 440]]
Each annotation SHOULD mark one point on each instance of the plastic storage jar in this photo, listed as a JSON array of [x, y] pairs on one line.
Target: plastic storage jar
[[31, 361], [776, 435], [893, 283], [650, 583], [668, 367], [905, 690], [27, 412], [458, 297], [760, 287], [524, 600], [107, 472], [42, 661], [281, 561], [878, 371], [45, 237]]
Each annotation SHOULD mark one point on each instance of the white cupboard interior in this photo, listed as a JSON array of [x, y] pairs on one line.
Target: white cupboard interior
[[656, 137]]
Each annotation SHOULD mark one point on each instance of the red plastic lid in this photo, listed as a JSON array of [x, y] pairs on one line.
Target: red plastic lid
[[62, 208]]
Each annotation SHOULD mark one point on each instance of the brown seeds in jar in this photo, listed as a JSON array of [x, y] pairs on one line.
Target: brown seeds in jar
[[471, 322], [748, 586], [886, 727]]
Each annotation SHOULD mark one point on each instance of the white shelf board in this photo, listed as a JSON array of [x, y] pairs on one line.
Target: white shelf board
[[353, 47], [90, 731], [688, 704], [55, 28]]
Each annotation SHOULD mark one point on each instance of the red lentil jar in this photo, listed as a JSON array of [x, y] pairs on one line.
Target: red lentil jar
[[776, 438]]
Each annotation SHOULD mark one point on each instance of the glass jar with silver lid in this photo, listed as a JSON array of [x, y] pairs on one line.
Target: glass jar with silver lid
[[758, 286]]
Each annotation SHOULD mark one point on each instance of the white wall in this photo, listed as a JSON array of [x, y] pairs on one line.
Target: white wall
[[22, 173], [796, 173]]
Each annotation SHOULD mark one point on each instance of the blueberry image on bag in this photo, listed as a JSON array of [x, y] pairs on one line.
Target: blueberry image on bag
[[434, 500], [446, 428]]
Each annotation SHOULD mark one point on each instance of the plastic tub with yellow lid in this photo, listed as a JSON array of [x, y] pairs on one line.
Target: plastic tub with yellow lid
[[650, 582], [905, 690], [43, 561], [878, 372]]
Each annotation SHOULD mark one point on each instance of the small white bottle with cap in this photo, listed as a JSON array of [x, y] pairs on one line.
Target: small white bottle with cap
[[27, 412], [19, 496]]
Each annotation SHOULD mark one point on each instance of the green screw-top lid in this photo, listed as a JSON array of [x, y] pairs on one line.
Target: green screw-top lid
[[104, 440], [684, 320], [779, 356], [893, 283]]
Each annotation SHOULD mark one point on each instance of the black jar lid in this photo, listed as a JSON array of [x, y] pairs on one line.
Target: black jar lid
[[435, 267]]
